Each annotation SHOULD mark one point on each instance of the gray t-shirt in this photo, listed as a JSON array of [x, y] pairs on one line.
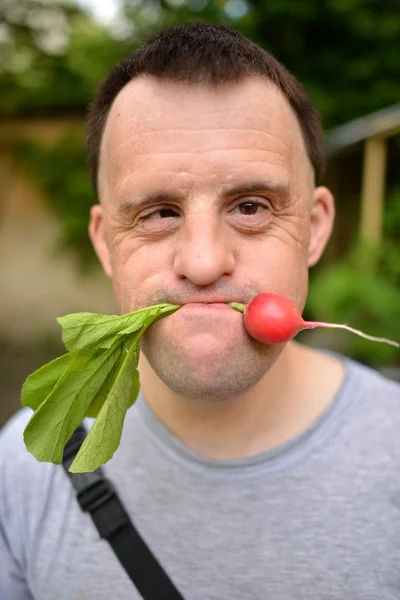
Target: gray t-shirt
[[316, 518]]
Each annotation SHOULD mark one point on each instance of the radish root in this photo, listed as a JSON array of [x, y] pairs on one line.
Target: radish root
[[313, 324]]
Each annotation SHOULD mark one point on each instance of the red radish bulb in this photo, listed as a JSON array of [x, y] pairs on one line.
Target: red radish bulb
[[273, 319]]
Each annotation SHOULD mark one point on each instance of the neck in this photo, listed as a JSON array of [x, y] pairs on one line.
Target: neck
[[285, 402]]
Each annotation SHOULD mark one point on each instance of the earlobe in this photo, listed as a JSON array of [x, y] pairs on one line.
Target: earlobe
[[322, 217], [98, 237]]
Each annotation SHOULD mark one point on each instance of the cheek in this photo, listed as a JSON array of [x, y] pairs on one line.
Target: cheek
[[138, 269], [278, 266]]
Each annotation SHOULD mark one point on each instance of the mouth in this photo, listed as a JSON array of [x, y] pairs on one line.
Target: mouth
[[205, 306]]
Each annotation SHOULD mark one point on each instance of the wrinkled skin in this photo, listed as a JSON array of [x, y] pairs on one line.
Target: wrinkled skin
[[206, 194]]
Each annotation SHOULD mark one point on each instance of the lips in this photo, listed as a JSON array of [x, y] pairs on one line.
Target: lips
[[205, 306], [205, 300]]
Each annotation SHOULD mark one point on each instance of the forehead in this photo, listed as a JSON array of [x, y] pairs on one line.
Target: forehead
[[156, 126]]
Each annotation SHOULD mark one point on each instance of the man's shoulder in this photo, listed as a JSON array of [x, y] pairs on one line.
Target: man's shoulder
[[18, 468], [29, 489], [12, 436], [376, 381], [376, 419], [380, 392]]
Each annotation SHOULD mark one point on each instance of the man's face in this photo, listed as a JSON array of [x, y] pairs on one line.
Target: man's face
[[207, 196]]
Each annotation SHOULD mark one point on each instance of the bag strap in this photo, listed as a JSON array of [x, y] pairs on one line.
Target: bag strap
[[97, 496]]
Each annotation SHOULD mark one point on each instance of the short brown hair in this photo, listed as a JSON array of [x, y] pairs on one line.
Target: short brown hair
[[209, 54]]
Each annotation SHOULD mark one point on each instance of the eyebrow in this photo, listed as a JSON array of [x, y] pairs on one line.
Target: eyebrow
[[279, 190], [128, 206]]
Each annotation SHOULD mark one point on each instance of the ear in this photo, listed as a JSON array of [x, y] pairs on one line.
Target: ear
[[322, 218], [97, 234]]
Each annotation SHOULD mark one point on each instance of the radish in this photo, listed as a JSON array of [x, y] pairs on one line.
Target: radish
[[273, 319]]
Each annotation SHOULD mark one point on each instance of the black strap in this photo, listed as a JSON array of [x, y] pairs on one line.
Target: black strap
[[97, 496]]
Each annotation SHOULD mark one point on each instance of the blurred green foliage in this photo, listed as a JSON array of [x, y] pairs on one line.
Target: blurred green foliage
[[345, 52], [367, 299], [52, 57], [59, 169], [363, 290]]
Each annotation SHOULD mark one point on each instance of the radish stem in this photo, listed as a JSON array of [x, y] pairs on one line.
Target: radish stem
[[237, 306], [313, 324]]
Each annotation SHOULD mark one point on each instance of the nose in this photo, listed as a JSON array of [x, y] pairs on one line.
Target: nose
[[204, 252]]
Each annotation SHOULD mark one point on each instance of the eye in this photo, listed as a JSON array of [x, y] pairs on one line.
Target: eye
[[250, 208], [160, 213], [161, 219], [250, 214]]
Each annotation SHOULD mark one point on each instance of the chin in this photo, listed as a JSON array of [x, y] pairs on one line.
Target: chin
[[211, 371], [208, 387], [200, 339], [205, 350]]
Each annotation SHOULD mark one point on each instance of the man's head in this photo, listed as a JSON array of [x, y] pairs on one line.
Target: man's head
[[204, 152]]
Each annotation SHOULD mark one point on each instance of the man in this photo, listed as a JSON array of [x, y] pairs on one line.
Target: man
[[251, 471]]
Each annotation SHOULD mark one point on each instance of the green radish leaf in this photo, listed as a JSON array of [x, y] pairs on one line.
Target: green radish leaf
[[97, 378], [105, 389], [102, 394], [104, 437], [51, 426], [84, 330], [41, 382]]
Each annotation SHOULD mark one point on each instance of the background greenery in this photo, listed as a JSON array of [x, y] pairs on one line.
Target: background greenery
[[346, 53]]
